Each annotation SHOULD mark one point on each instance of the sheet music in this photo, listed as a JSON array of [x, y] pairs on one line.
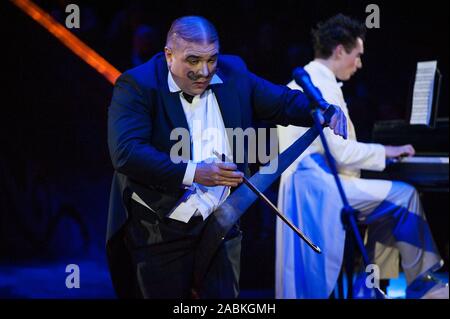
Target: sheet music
[[423, 93]]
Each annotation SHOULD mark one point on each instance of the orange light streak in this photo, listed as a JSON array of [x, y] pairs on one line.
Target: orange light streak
[[69, 39]]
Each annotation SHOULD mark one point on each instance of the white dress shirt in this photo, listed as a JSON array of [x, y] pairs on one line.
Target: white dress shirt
[[207, 133]]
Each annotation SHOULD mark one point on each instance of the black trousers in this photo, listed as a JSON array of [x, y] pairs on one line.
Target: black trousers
[[153, 258]]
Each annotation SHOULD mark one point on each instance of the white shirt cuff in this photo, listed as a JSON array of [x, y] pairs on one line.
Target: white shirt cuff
[[380, 157], [188, 178]]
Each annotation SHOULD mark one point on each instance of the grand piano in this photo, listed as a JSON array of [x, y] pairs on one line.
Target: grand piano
[[428, 169]]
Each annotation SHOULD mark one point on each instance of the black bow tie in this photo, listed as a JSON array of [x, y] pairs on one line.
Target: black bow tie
[[188, 97]]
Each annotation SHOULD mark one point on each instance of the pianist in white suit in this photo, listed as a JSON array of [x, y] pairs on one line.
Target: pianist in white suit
[[309, 197]]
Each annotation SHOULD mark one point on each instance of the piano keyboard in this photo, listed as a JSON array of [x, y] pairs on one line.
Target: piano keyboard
[[423, 160], [430, 173]]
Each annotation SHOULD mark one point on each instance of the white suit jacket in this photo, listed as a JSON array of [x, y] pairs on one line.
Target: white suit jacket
[[351, 156]]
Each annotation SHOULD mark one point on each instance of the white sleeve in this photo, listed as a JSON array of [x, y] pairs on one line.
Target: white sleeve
[[356, 155], [189, 175]]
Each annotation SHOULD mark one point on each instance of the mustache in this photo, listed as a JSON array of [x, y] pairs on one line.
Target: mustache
[[195, 77]]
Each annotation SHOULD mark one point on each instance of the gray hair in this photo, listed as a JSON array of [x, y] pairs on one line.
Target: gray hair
[[192, 29]]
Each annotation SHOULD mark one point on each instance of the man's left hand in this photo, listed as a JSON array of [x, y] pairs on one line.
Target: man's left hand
[[338, 122]]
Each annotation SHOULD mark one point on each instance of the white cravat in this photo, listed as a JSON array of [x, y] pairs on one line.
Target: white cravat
[[207, 133]]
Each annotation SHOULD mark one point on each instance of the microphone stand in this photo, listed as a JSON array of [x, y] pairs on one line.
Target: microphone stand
[[348, 213]]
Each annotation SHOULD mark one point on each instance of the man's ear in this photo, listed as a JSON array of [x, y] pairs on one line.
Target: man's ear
[[169, 55], [339, 51]]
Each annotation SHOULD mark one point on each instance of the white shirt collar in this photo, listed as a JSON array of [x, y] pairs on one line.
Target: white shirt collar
[[173, 87], [326, 72]]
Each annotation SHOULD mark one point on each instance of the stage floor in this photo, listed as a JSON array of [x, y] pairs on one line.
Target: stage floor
[[48, 281]]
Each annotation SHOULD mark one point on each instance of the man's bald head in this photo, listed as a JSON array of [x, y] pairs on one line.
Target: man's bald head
[[192, 29]]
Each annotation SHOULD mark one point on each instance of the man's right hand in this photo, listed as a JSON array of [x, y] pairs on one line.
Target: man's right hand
[[399, 151], [214, 174]]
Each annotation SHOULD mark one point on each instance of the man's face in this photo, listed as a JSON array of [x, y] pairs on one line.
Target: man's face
[[349, 63], [192, 65]]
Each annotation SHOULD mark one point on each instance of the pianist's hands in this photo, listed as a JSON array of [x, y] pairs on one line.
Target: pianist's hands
[[399, 151]]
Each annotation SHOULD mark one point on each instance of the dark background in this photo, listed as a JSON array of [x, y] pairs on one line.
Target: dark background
[[55, 171]]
